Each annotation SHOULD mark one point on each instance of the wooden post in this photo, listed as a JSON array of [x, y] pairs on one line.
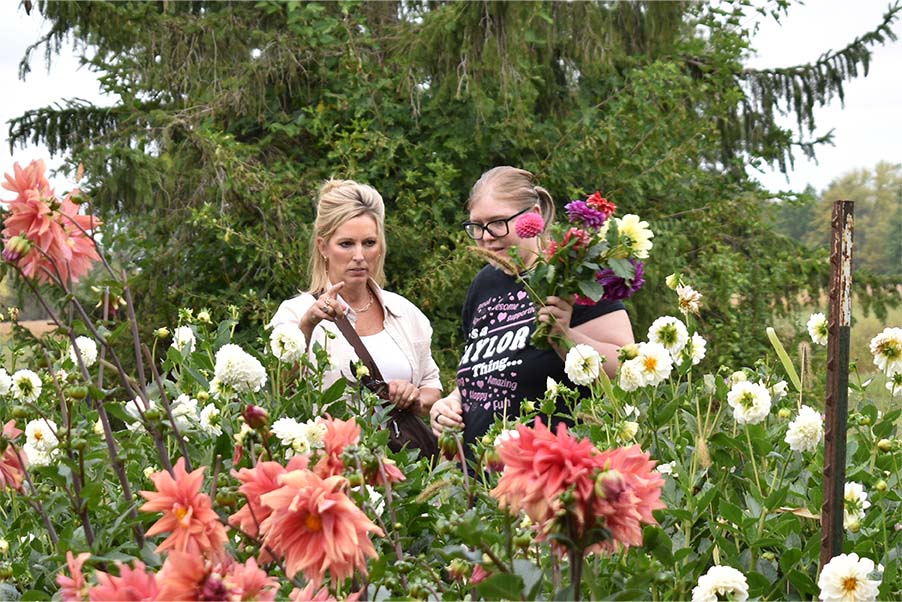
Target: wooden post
[[837, 406]]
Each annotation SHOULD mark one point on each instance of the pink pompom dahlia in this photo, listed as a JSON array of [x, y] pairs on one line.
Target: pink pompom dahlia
[[529, 225]]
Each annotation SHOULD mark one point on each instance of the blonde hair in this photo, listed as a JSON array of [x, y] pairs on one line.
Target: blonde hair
[[338, 202], [515, 186]]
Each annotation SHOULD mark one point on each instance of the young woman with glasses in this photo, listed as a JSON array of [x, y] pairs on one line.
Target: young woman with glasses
[[347, 258], [499, 367]]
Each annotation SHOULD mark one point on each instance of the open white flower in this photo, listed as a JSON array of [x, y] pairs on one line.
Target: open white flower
[[6, 382], [655, 363], [209, 421], [238, 369], [817, 328], [26, 385], [848, 578], [288, 343], [856, 502], [583, 364], [893, 384], [667, 468], [292, 434], [778, 390], [695, 349], [631, 375], [806, 431], [721, 583], [39, 457], [41, 435], [183, 340], [505, 436], [887, 350], [750, 402], [87, 349], [669, 332], [184, 412], [626, 430], [135, 409], [637, 233], [689, 299]]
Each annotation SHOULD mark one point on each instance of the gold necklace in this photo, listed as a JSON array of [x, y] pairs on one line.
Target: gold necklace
[[365, 307]]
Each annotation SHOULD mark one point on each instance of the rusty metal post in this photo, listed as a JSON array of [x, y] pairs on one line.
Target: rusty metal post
[[837, 406]]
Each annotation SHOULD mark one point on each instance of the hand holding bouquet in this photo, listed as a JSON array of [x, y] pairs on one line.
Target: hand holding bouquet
[[591, 256]]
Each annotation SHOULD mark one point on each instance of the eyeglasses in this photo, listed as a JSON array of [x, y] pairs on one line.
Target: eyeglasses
[[498, 228]]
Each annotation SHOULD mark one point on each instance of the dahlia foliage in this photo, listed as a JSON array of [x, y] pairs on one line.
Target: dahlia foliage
[[212, 466]]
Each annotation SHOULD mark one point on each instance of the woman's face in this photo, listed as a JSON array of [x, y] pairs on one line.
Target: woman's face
[[352, 251], [495, 220]]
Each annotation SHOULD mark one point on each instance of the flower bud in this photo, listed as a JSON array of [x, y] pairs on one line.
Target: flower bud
[[255, 416], [523, 541], [204, 316], [458, 569], [15, 248], [672, 281], [493, 461], [627, 430], [885, 445], [14, 314], [148, 471], [161, 333], [447, 442], [78, 392], [20, 412], [528, 407], [628, 352], [854, 526], [880, 486], [4, 546], [768, 555], [152, 415], [361, 371], [202, 396], [609, 484], [738, 377], [6, 571], [784, 413]]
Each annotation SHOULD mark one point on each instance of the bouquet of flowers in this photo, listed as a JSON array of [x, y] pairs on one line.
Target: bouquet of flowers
[[591, 256]]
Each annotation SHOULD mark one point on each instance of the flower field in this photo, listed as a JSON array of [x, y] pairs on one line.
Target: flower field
[[189, 466]]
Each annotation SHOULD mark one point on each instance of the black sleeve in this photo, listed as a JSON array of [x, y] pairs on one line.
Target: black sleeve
[[587, 313]]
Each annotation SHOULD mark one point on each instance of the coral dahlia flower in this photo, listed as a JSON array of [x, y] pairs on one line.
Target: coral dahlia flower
[[262, 478], [339, 434], [11, 470], [187, 513], [249, 582], [317, 528], [73, 588], [132, 585]]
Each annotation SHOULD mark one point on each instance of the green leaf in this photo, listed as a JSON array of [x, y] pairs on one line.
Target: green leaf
[[591, 289], [623, 268], [531, 575], [784, 359], [501, 586]]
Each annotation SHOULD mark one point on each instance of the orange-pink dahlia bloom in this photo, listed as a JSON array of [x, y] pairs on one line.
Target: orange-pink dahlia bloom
[[132, 585], [11, 469], [187, 513], [262, 478], [248, 582], [317, 528], [339, 434], [74, 587], [60, 248]]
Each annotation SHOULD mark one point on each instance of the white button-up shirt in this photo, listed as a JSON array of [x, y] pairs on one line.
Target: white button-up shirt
[[408, 327]]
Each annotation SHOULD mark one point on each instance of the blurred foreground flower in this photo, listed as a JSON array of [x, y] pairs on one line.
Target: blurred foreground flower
[[721, 583]]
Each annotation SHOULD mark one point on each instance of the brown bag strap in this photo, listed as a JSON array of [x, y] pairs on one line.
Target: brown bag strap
[[344, 325]]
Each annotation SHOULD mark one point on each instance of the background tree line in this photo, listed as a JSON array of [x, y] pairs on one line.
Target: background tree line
[[231, 114]]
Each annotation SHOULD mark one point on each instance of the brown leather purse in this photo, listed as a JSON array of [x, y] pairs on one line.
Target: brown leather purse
[[405, 428]]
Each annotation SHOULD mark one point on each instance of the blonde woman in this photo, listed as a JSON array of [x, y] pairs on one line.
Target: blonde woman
[[347, 259]]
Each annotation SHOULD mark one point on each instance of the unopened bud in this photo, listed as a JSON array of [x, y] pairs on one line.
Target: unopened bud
[[4, 546], [15, 248], [528, 407], [628, 352], [203, 316], [362, 371], [458, 569], [784, 413], [768, 555], [149, 471], [880, 486], [161, 333], [672, 281], [854, 526], [255, 416], [885, 445], [202, 396], [738, 377]]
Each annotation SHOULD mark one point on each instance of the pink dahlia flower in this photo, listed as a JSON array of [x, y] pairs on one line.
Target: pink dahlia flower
[[529, 225]]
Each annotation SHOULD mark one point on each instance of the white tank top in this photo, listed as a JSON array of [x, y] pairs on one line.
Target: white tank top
[[388, 357]]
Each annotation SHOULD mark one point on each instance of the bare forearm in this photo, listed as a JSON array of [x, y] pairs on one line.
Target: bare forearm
[[428, 396]]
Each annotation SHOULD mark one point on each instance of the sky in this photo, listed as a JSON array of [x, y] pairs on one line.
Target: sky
[[867, 128]]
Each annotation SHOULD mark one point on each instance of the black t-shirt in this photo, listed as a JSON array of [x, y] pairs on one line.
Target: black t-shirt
[[499, 367]]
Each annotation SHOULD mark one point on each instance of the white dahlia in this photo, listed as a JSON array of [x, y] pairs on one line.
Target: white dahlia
[[856, 502], [887, 350], [583, 364], [806, 431], [288, 343], [183, 340], [750, 402], [655, 363], [721, 583], [637, 233], [669, 332], [87, 348], [26, 385], [238, 369], [817, 328], [848, 578]]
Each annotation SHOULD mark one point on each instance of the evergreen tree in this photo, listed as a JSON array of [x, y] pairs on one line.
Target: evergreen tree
[[232, 113]]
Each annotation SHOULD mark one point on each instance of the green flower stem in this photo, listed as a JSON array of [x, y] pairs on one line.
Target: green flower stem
[[748, 438]]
